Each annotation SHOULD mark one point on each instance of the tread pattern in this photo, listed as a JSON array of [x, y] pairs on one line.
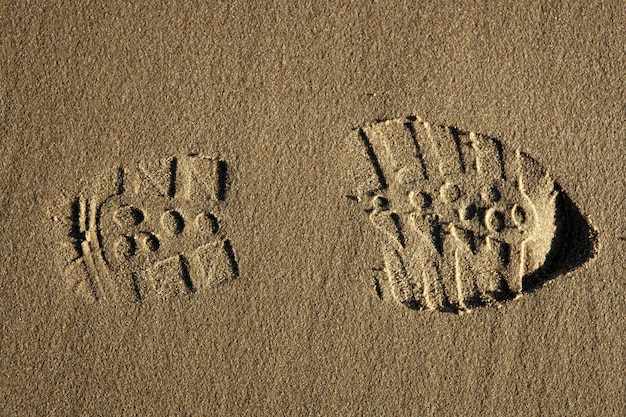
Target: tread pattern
[[462, 220]]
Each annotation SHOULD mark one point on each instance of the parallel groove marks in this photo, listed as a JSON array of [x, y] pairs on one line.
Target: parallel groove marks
[[457, 230], [373, 159], [156, 232]]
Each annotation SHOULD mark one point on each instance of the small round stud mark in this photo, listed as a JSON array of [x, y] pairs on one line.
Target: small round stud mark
[[519, 216], [408, 177], [128, 216], [206, 223], [420, 200], [173, 222], [492, 194], [151, 242], [450, 193], [494, 220], [125, 247], [469, 212]]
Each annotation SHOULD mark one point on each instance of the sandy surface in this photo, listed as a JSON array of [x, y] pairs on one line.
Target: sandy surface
[[290, 321]]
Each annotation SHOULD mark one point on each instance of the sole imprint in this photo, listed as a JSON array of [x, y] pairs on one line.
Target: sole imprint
[[464, 221], [154, 231]]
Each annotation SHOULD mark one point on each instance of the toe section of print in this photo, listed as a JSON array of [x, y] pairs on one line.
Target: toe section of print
[[463, 220]]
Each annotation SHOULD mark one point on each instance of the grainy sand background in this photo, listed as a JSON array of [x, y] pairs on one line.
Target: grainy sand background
[[275, 90]]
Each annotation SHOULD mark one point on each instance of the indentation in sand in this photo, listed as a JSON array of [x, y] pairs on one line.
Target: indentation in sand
[[155, 231], [464, 221]]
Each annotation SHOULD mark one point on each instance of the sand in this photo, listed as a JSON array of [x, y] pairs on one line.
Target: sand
[[218, 210]]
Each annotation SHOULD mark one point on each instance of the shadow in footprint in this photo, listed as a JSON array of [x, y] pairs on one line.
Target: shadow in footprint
[[574, 244]]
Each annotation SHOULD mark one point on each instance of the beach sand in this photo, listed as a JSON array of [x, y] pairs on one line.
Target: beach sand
[[186, 226]]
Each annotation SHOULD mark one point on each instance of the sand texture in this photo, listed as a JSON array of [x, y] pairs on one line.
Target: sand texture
[[295, 208]]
